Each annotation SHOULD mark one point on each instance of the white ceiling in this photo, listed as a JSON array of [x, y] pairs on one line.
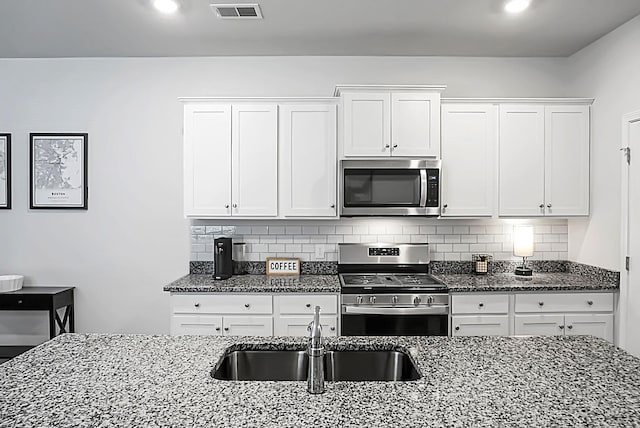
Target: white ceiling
[[122, 28]]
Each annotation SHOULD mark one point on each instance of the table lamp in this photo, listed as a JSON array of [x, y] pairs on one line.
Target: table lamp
[[523, 247]]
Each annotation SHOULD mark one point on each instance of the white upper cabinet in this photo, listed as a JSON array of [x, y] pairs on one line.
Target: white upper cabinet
[[230, 170], [521, 158], [367, 123], [415, 124], [207, 160], [469, 140], [254, 169], [308, 160], [544, 160], [382, 121], [567, 160]]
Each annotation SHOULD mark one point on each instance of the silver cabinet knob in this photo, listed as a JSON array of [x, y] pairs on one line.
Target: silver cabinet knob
[[197, 305], [541, 205], [372, 299], [395, 146], [308, 305], [226, 206], [246, 305], [457, 327], [561, 327], [333, 205], [226, 329], [481, 305], [386, 146], [590, 302], [548, 205], [569, 327], [332, 329], [540, 304], [235, 205], [417, 300], [217, 328]]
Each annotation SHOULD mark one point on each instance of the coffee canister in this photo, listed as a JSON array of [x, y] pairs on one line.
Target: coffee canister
[[239, 258], [481, 263]]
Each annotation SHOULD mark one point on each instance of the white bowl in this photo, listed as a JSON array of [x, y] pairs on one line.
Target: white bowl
[[10, 283]]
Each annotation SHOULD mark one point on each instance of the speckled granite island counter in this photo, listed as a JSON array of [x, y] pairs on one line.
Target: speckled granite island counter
[[160, 381], [205, 283], [507, 282]]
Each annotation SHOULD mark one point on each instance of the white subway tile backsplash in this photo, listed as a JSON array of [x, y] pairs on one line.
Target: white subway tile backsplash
[[449, 239], [293, 230]]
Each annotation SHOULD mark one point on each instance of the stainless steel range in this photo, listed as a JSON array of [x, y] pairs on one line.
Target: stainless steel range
[[386, 290]]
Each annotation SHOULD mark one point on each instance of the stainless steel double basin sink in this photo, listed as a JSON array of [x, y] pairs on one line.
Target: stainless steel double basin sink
[[267, 365]]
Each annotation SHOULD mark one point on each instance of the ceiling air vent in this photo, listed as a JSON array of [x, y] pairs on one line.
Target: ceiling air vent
[[237, 11]]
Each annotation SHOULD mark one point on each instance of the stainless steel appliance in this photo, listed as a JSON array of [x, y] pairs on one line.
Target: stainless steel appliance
[[397, 187], [222, 258], [386, 290]]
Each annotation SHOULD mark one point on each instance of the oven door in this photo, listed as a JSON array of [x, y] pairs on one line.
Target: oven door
[[394, 321], [390, 187]]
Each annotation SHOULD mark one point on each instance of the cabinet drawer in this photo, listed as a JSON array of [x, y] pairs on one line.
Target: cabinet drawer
[[564, 302], [480, 325], [221, 304], [300, 304], [479, 304]]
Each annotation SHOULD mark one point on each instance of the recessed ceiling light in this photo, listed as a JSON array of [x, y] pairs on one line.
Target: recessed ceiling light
[[516, 6], [166, 6]]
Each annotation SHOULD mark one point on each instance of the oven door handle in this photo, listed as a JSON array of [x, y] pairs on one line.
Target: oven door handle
[[423, 187], [372, 310]]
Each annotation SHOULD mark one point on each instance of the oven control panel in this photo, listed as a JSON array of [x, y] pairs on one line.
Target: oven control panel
[[389, 251]]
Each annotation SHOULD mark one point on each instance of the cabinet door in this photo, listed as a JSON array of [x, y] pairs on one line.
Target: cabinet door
[[367, 123], [415, 124], [469, 139], [207, 160], [196, 325], [480, 325], [539, 325], [255, 160], [247, 326], [567, 160], [599, 325], [297, 326], [308, 160], [521, 160]]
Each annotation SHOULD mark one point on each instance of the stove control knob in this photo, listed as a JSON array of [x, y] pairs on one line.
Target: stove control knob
[[417, 300], [372, 299], [359, 300], [430, 300], [394, 299]]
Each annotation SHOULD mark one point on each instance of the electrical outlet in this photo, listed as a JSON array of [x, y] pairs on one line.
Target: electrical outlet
[[319, 252]]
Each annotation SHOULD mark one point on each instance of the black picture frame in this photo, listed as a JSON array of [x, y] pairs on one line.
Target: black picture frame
[[58, 196], [7, 168]]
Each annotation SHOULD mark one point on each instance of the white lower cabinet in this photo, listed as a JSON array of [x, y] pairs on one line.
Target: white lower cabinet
[[480, 325], [247, 314], [558, 314]]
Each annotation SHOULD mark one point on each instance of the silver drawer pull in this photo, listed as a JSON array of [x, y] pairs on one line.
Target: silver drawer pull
[[570, 327], [590, 302], [540, 303], [332, 329], [197, 305], [561, 327], [246, 305], [308, 305], [481, 305]]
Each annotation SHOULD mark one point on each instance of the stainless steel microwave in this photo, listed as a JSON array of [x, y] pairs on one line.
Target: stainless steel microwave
[[394, 187]]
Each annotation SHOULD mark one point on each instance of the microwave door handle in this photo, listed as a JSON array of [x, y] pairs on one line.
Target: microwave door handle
[[423, 187]]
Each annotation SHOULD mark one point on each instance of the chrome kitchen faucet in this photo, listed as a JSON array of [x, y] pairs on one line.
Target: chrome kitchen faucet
[[315, 350]]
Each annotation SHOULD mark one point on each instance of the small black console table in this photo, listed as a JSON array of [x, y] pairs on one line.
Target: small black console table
[[40, 299]]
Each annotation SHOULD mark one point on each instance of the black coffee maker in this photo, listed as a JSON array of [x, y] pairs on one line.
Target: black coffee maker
[[222, 258]]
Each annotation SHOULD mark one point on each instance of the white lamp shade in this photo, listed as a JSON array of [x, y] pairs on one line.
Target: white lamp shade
[[523, 241]]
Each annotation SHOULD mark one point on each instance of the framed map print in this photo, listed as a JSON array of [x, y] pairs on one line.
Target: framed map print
[[5, 171], [58, 171]]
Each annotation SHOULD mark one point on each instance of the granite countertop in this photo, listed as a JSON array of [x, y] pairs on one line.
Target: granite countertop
[[538, 282], [256, 284], [79, 380]]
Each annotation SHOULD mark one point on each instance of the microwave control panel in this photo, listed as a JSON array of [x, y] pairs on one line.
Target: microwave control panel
[[433, 187]]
